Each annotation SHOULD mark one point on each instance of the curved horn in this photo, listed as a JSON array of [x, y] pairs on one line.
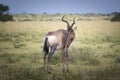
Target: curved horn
[[65, 21], [73, 22]]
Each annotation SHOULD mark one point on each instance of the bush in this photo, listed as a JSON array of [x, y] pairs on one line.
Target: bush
[[6, 17]]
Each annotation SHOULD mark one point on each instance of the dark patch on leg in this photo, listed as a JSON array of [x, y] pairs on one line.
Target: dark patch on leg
[[53, 48]]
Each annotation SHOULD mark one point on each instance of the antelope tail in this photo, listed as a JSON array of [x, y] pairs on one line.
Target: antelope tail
[[46, 48]]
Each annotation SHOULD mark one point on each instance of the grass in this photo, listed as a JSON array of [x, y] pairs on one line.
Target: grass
[[94, 54]]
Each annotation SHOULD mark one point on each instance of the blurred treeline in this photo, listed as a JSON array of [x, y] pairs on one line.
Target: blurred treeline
[[57, 17]]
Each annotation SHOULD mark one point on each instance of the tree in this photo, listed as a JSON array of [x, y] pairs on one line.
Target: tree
[[116, 17], [4, 14]]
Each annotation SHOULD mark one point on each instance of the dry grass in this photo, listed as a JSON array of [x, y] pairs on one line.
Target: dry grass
[[85, 28]]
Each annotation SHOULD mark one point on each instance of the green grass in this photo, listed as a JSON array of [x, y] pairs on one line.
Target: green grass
[[19, 61]]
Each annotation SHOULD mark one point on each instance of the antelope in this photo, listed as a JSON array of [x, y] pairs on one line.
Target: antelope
[[59, 40]]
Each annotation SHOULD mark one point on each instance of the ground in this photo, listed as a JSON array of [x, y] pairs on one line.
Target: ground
[[93, 55]]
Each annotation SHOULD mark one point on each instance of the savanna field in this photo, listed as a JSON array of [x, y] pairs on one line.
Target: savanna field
[[93, 55]]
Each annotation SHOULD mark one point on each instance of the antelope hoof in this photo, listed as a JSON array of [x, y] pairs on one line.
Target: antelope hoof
[[49, 72], [68, 71], [67, 55]]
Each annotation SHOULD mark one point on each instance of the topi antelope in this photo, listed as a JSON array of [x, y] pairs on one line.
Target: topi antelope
[[60, 39]]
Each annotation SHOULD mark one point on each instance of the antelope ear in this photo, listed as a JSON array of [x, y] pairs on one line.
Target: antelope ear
[[74, 28]]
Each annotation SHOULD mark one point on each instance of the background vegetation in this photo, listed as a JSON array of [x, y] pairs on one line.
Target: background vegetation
[[4, 14], [94, 54], [56, 17], [116, 17]]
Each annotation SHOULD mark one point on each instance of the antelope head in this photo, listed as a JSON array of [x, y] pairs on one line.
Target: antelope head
[[69, 27], [70, 35]]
